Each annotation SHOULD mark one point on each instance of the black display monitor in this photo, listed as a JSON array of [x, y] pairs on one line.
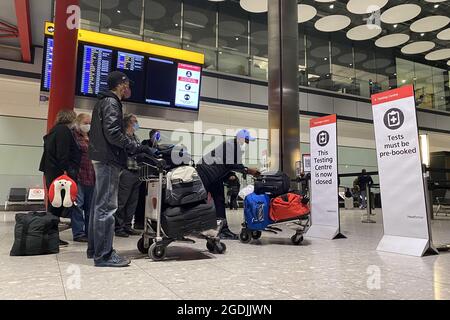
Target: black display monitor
[[96, 64], [161, 81], [133, 65]]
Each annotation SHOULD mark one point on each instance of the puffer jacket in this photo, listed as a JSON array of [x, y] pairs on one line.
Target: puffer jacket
[[108, 142]]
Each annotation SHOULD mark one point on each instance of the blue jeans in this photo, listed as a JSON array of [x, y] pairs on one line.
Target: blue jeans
[[79, 215], [104, 206]]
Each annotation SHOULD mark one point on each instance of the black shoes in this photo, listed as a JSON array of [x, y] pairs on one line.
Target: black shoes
[[227, 234], [63, 243], [122, 234], [81, 239], [114, 261], [133, 232]]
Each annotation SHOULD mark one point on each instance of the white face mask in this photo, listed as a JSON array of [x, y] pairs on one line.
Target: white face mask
[[85, 128], [243, 147]]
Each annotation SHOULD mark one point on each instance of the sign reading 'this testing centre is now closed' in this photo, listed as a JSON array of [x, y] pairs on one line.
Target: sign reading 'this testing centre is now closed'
[[405, 218]]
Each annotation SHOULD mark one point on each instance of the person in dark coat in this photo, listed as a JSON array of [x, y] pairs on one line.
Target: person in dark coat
[[61, 155]]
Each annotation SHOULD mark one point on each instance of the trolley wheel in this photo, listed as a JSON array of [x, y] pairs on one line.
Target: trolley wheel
[[245, 236], [216, 247], [256, 234], [157, 252], [141, 247], [297, 239]]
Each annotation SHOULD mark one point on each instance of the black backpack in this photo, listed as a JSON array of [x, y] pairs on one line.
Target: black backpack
[[35, 233], [275, 184]]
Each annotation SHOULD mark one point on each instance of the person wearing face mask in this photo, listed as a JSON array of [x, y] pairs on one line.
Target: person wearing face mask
[[216, 165], [86, 181], [108, 148], [61, 155], [129, 185]]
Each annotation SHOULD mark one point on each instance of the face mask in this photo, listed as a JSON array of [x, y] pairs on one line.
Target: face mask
[[85, 128], [136, 127], [243, 147]]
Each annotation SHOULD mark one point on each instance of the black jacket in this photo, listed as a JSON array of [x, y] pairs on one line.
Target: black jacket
[[217, 164], [108, 142], [363, 180], [61, 153]]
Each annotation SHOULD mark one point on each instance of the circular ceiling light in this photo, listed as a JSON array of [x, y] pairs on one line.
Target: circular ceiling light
[[216, 0], [400, 13], [305, 12], [254, 6], [158, 11], [429, 24], [438, 55], [366, 6], [448, 62], [377, 63], [392, 40], [418, 47], [363, 32], [444, 34], [332, 23]]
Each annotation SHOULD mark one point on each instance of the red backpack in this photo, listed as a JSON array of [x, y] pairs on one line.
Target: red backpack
[[287, 206]]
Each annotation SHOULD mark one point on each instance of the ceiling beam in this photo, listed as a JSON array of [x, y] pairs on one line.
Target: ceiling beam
[[24, 27]]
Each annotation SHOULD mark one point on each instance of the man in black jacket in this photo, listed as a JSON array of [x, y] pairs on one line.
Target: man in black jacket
[[364, 181], [108, 149], [215, 166]]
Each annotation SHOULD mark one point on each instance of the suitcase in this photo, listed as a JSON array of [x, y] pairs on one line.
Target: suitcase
[[180, 221], [256, 211], [274, 184], [35, 233], [184, 186], [288, 206]]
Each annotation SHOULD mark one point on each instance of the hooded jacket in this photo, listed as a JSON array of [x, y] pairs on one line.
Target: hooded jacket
[[108, 142]]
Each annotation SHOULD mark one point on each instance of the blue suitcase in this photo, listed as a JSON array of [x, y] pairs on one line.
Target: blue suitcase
[[256, 211]]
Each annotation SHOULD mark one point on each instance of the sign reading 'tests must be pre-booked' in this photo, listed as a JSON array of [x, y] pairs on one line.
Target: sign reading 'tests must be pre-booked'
[[405, 219]]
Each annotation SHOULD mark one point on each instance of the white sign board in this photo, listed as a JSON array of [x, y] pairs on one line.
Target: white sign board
[[324, 179], [188, 86], [405, 218], [306, 163]]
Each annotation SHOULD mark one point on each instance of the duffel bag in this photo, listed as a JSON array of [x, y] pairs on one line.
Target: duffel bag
[[184, 186], [256, 211], [288, 206], [180, 221], [274, 184], [35, 233]]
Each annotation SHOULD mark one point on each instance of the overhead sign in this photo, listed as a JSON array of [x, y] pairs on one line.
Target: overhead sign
[[405, 219], [324, 179]]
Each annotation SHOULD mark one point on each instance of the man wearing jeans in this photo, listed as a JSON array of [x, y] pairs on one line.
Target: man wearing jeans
[[108, 148]]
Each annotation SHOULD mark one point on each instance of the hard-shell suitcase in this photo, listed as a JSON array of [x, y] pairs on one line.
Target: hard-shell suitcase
[[274, 184], [256, 211], [182, 220], [287, 207], [184, 186]]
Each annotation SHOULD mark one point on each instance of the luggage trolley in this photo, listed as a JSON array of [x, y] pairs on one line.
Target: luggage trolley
[[154, 240]]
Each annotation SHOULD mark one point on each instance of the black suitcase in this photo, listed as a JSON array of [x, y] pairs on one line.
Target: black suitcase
[[274, 184], [180, 221], [35, 233]]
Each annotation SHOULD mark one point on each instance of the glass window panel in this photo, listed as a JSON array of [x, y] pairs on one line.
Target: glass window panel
[[385, 62], [318, 61], [90, 15], [441, 89], [405, 72], [162, 22], [122, 18], [259, 46], [423, 85], [342, 65], [234, 63], [365, 70]]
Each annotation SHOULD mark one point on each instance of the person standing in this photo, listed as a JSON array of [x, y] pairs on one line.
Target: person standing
[[129, 185], [86, 181], [61, 155], [364, 180], [108, 148]]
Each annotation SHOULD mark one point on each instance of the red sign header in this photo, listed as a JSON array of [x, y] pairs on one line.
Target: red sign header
[[392, 95], [189, 67], [322, 121]]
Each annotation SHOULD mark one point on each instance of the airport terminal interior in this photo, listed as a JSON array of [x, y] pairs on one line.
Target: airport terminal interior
[[339, 108]]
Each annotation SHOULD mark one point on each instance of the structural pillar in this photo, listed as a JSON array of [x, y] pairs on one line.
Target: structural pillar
[[62, 91], [284, 122]]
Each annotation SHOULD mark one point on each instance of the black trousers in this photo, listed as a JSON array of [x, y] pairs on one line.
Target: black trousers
[[233, 201], [127, 199], [218, 194], [139, 215]]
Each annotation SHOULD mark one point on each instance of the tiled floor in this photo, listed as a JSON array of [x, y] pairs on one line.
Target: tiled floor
[[270, 268]]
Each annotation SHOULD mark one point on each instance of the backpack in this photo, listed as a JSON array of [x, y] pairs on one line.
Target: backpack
[[256, 211], [274, 184], [184, 186], [288, 206], [35, 233]]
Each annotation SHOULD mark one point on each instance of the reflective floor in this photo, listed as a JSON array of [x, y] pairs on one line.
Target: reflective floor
[[270, 268]]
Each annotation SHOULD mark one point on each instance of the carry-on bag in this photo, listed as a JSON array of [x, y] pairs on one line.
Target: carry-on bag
[[256, 211], [184, 186], [288, 206], [174, 155], [35, 233], [274, 184], [180, 221]]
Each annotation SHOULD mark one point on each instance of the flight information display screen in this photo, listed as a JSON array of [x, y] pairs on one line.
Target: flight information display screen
[[188, 86], [133, 65], [161, 79], [95, 67], [47, 71]]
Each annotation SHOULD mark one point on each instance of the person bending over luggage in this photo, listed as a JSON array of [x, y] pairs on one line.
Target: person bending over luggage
[[108, 148], [61, 155], [86, 181], [128, 184], [233, 185], [214, 167]]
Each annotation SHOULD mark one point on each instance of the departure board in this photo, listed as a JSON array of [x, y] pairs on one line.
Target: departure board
[[96, 65], [47, 72], [161, 81], [133, 66]]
